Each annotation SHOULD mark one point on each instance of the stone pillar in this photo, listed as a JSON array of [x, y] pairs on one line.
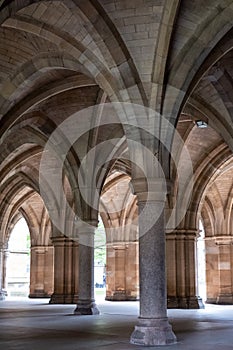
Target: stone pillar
[[110, 271], [41, 272], [59, 251], [4, 272], [153, 327], [181, 270], [221, 290], [86, 301], [212, 271], [65, 271], [75, 268], [225, 273], [132, 271], [2, 292], [172, 279], [122, 271], [117, 273]]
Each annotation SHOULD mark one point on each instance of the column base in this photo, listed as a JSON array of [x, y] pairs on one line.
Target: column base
[[211, 301], [63, 299], [39, 294], [153, 332], [86, 308], [225, 299], [185, 303], [222, 299], [121, 296]]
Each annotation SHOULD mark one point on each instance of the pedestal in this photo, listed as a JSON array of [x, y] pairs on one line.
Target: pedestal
[[86, 307], [153, 332]]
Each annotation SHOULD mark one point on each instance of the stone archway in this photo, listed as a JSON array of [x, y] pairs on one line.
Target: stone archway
[[217, 214]]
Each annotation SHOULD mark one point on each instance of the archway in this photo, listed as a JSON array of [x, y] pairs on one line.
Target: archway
[[201, 263], [216, 213], [18, 261], [100, 260]]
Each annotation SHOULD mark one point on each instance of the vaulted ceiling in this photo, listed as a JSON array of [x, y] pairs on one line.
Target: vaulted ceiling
[[60, 57]]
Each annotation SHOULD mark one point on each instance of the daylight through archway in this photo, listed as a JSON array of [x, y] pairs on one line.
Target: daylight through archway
[[18, 261], [100, 260], [201, 263]]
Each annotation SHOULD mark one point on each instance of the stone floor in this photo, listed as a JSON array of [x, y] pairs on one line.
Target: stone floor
[[35, 325]]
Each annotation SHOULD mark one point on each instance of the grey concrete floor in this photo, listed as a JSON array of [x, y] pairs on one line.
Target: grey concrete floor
[[33, 324]]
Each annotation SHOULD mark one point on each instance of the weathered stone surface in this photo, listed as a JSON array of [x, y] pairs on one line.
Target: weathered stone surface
[[58, 58]]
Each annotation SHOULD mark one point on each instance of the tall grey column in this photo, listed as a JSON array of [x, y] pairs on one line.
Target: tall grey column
[[153, 327], [86, 301]]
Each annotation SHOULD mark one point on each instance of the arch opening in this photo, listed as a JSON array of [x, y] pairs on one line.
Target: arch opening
[[100, 260], [18, 261], [201, 262]]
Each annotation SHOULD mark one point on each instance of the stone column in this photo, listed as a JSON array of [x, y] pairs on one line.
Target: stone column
[[86, 301], [172, 278], [41, 272], [2, 293], [122, 271], [118, 291], [110, 271], [223, 272], [59, 252], [132, 271], [181, 270], [68, 273], [6, 254], [153, 327], [65, 271], [49, 271], [212, 271], [75, 272]]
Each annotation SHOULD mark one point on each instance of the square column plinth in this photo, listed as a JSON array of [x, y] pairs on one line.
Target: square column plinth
[[152, 332]]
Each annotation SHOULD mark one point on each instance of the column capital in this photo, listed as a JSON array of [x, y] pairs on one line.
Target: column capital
[[84, 232], [39, 249], [223, 239], [87, 226], [149, 189], [182, 234], [58, 240]]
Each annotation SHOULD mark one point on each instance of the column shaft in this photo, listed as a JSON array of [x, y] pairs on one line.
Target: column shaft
[[41, 272], [181, 270], [152, 271], [65, 271], [122, 271], [86, 302], [153, 327], [4, 270], [219, 275], [2, 293]]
